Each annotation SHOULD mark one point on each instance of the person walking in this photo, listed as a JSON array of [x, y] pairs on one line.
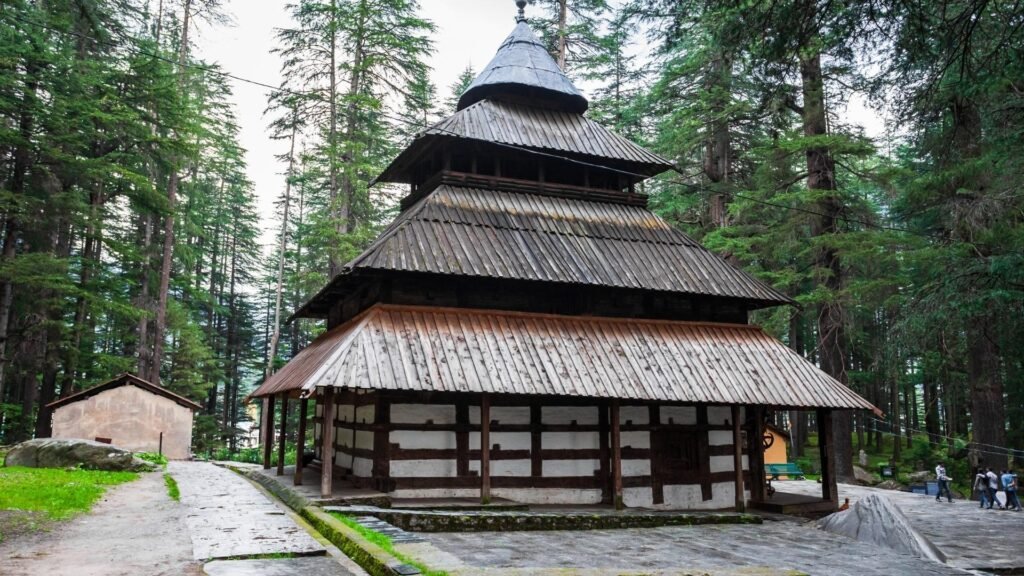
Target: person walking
[[993, 487], [1009, 481], [940, 475], [981, 486]]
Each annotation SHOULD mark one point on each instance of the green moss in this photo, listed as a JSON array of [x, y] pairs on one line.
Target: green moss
[[152, 458], [58, 492], [172, 487], [379, 541]]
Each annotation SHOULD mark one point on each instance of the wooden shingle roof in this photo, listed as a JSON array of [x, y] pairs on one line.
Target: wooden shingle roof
[[522, 67], [533, 128], [420, 348], [494, 234]]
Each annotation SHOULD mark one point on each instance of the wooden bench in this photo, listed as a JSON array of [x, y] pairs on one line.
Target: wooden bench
[[775, 470]]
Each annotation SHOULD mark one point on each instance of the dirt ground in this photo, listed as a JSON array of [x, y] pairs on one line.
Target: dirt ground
[[134, 529]]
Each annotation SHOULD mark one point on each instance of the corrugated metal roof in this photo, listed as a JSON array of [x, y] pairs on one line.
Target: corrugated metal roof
[[459, 350], [522, 66], [478, 232]]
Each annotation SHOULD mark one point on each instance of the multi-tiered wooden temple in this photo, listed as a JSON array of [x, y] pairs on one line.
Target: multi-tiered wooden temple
[[528, 329]]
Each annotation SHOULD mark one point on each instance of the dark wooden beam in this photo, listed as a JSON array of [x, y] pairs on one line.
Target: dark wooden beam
[[755, 453], [382, 441], [605, 453], [282, 443], [616, 456], [827, 447], [704, 453], [461, 439], [737, 458], [485, 449], [300, 442], [268, 430], [536, 455], [327, 443]]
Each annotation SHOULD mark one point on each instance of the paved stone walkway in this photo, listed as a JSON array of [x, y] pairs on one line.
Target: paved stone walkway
[[229, 517], [970, 537], [774, 547]]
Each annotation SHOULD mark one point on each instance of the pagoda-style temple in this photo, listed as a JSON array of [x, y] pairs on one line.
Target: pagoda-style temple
[[527, 329]]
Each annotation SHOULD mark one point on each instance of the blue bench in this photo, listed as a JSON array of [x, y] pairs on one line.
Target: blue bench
[[775, 470]]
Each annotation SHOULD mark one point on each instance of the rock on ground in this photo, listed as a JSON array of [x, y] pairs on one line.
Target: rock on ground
[[877, 520], [73, 452], [863, 476]]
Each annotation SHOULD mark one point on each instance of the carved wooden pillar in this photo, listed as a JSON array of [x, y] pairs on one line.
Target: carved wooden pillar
[[282, 444], [268, 430], [485, 449], [300, 442], [327, 444], [826, 445], [737, 458], [616, 456], [755, 452]]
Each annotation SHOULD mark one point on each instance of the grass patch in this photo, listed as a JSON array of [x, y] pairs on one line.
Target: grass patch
[[152, 458], [172, 487], [385, 544], [55, 492]]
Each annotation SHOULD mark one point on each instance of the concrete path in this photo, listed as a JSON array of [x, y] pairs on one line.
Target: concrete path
[[135, 529], [970, 538], [228, 517]]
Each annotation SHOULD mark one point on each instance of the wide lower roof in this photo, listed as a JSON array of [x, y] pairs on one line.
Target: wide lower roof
[[495, 234], [427, 349], [500, 122]]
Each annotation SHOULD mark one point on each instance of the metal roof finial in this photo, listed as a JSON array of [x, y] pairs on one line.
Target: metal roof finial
[[521, 17]]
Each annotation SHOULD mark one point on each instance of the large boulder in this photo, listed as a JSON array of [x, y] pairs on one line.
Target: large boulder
[[72, 453], [863, 476], [877, 520], [920, 477], [890, 485]]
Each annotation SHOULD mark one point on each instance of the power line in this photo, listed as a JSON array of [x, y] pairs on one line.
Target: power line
[[1007, 450], [307, 94]]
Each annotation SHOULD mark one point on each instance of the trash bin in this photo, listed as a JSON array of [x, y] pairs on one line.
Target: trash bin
[[918, 488], [932, 487]]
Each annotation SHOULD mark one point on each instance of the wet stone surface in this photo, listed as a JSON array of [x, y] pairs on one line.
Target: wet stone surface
[[228, 517], [777, 546], [970, 537]]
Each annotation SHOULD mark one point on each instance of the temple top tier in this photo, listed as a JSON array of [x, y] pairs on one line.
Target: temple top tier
[[523, 71]]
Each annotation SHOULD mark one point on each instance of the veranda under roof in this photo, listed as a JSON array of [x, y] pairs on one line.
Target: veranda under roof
[[415, 348]]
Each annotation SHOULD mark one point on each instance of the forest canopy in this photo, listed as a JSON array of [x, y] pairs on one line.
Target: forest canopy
[[131, 234]]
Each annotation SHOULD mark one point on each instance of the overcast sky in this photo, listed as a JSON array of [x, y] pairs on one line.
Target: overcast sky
[[468, 32]]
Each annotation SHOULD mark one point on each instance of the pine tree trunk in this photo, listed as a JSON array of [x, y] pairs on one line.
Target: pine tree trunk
[[562, 49], [831, 323], [160, 326], [282, 245], [988, 416]]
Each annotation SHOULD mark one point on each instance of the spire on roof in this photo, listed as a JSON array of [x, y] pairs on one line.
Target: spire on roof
[[524, 71]]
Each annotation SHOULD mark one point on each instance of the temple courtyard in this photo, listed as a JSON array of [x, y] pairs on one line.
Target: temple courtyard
[[228, 526]]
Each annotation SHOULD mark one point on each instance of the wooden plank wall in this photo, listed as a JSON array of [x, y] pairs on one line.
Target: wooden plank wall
[[543, 449]]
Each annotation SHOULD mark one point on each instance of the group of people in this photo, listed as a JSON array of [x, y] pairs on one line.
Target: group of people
[[987, 483]]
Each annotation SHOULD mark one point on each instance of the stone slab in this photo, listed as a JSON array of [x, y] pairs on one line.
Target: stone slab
[[774, 547], [971, 538], [315, 566], [228, 517]]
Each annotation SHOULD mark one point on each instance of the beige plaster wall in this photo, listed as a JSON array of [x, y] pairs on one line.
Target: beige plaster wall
[[132, 418]]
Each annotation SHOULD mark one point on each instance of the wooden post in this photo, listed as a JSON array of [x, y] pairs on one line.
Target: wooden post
[[300, 442], [485, 449], [737, 458], [616, 457], [605, 453], [826, 445], [268, 430], [755, 453], [327, 444], [282, 443]]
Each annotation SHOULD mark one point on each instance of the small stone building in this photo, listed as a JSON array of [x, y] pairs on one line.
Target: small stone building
[[129, 413], [776, 444]]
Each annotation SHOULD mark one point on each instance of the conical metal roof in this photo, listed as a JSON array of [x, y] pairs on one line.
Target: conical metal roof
[[523, 70]]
